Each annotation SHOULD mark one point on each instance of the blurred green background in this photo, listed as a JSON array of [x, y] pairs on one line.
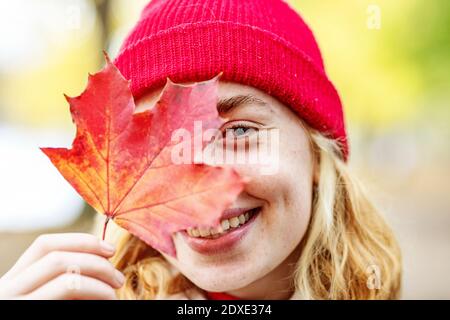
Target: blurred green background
[[390, 61]]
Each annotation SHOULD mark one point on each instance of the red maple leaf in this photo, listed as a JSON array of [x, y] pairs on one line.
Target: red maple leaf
[[120, 161]]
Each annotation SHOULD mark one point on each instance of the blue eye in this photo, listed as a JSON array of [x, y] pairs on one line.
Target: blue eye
[[239, 130]]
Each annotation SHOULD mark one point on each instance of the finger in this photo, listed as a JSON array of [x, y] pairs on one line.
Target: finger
[[59, 262], [74, 242], [73, 286]]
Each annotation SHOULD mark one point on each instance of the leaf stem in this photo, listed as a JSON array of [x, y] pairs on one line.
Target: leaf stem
[[104, 227]]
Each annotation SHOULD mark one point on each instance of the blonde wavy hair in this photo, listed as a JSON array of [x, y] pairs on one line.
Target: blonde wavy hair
[[348, 252]]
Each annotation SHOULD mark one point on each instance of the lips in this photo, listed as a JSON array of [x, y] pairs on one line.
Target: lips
[[234, 225]]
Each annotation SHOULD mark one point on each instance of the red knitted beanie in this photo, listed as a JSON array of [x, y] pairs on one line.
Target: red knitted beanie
[[261, 43]]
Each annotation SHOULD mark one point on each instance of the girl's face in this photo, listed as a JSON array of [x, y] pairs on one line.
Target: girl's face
[[258, 255]]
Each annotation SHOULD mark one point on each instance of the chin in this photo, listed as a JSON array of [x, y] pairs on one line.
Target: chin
[[215, 281]]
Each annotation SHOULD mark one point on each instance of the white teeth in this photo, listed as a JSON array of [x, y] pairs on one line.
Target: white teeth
[[225, 225], [234, 222], [215, 231], [204, 232]]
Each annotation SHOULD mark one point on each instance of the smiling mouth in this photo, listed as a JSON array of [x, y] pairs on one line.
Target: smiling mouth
[[226, 225]]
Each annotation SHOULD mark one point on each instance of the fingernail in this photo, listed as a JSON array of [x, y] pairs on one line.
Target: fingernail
[[120, 277], [107, 247]]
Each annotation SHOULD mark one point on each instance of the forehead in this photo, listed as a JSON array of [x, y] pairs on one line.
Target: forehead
[[231, 97]]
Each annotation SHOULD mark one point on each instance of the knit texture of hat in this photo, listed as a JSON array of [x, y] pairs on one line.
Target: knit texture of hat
[[260, 43]]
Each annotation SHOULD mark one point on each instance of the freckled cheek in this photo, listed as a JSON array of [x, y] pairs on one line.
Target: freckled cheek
[[286, 194], [272, 190], [286, 197]]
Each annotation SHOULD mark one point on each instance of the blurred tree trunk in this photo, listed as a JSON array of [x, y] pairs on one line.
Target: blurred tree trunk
[[102, 7]]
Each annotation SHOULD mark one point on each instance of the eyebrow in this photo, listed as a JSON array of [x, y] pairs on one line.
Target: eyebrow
[[228, 104]]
